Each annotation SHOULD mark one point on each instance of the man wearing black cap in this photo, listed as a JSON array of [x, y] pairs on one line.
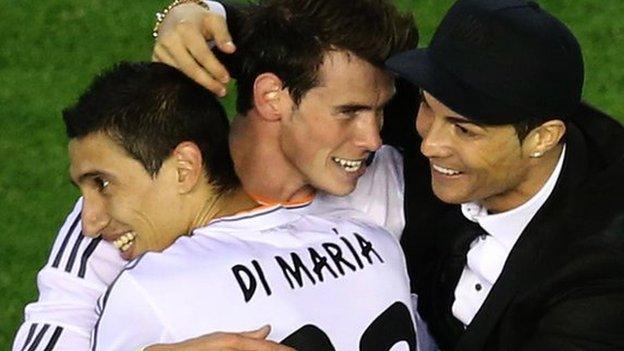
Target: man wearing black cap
[[520, 254]]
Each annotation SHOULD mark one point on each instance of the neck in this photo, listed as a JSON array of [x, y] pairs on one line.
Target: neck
[[536, 177], [225, 204], [260, 163]]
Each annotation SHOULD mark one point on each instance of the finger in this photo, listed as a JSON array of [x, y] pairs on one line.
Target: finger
[[215, 27], [242, 343], [187, 64], [160, 54], [198, 48], [260, 333]]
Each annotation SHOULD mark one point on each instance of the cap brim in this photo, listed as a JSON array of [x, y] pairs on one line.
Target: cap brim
[[419, 68]]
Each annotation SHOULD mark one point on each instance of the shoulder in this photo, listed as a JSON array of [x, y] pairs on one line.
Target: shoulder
[[78, 256], [77, 273], [387, 159], [378, 195], [186, 258]]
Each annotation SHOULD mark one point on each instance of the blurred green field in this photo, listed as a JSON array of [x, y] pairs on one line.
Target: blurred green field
[[49, 51]]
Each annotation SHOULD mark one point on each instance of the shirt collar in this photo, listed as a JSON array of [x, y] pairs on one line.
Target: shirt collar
[[507, 226]]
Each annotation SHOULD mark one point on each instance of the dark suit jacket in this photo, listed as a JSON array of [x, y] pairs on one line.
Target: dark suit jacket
[[562, 287]]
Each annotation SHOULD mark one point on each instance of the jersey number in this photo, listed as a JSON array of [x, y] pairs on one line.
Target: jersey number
[[392, 326]]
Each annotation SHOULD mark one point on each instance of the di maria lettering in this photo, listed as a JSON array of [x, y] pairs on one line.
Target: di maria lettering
[[311, 265], [247, 279], [331, 260]]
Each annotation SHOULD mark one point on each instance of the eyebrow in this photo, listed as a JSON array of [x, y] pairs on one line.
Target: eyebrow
[[452, 119], [462, 120], [352, 108]]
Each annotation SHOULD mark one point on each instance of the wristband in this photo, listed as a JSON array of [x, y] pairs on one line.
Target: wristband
[[160, 16]]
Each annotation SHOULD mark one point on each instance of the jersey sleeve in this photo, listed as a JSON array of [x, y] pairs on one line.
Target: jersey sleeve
[[77, 272], [127, 318], [215, 7]]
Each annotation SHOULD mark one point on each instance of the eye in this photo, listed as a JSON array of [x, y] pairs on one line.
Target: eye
[[101, 183], [464, 131], [350, 113]]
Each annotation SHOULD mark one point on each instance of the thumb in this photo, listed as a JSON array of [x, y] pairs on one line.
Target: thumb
[[261, 333], [215, 28]]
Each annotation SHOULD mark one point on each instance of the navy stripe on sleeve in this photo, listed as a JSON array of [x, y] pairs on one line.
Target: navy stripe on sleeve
[[74, 253], [38, 338], [55, 336], [31, 332], [86, 254], [59, 254]]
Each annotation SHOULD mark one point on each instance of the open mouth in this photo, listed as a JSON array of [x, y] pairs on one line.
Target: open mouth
[[125, 241], [349, 165], [445, 171]]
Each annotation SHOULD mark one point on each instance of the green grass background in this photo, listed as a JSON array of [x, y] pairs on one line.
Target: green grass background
[[49, 50]]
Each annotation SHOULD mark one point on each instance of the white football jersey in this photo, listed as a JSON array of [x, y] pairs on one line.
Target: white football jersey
[[64, 314], [78, 271], [321, 283]]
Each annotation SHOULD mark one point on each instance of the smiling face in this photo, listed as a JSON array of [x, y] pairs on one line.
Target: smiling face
[[472, 162], [330, 134], [121, 201]]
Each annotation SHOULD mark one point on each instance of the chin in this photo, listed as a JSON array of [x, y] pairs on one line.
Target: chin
[[338, 189], [449, 196]]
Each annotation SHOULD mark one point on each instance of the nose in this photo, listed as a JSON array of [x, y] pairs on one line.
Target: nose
[[368, 133], [434, 141], [94, 216]]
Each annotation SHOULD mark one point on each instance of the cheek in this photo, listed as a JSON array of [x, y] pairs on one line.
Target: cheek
[[311, 140], [500, 163]]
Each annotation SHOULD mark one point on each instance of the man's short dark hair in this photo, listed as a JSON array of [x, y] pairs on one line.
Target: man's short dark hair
[[291, 37], [150, 108], [525, 126]]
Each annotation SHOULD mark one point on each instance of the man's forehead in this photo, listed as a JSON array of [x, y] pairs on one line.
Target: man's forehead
[[94, 153], [351, 81], [344, 66]]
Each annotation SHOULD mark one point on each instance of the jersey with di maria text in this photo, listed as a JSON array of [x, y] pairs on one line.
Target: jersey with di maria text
[[321, 283], [80, 269]]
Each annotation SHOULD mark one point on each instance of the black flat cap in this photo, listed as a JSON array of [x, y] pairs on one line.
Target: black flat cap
[[498, 62]]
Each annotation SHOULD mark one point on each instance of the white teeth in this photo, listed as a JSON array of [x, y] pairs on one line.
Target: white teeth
[[124, 242], [446, 171], [348, 165]]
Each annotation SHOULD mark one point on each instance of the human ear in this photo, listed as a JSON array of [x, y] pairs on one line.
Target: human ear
[[271, 100], [189, 166], [544, 138]]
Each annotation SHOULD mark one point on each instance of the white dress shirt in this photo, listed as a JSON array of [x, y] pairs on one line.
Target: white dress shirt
[[488, 253]]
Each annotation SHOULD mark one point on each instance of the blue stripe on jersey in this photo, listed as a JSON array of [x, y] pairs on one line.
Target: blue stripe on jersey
[[104, 299], [86, 254], [74, 253], [251, 215], [59, 254], [31, 332], [38, 338], [55, 336], [259, 213]]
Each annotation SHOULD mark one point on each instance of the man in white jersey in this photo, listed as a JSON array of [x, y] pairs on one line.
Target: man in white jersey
[[101, 261], [148, 149]]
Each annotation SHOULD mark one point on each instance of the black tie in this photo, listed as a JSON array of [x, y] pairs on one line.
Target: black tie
[[454, 267]]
